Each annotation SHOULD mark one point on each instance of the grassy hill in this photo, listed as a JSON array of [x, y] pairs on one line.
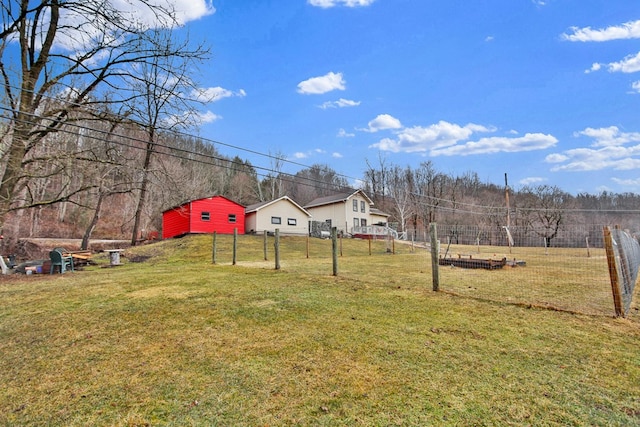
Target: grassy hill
[[169, 338]]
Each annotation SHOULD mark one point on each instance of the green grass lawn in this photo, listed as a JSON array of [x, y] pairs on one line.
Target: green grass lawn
[[175, 340]]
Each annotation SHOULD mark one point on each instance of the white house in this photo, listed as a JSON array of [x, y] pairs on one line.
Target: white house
[[350, 213], [283, 214]]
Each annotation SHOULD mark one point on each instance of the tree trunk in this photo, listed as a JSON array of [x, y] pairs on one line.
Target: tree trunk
[[94, 221], [143, 191]]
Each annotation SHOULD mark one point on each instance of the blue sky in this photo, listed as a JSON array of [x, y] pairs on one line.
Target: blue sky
[[545, 91]]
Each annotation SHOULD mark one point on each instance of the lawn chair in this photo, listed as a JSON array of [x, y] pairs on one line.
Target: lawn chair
[[62, 261]]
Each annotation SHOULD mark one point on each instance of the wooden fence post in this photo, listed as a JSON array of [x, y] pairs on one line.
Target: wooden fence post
[[334, 249], [276, 248], [435, 272], [308, 244], [214, 247], [613, 272], [235, 245], [264, 244]]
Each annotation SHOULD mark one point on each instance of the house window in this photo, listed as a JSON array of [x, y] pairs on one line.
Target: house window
[[205, 216], [232, 218], [276, 220], [363, 222], [363, 208], [292, 221], [355, 205], [356, 222]]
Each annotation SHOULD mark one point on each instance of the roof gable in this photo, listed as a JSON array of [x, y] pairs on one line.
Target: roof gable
[[202, 199], [256, 207], [337, 198]]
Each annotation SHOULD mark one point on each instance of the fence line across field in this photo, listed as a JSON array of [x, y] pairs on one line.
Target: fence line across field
[[569, 272]]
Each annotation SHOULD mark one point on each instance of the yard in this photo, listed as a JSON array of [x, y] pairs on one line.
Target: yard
[[171, 339]]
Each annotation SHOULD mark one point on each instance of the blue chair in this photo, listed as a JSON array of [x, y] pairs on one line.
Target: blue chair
[[60, 260]]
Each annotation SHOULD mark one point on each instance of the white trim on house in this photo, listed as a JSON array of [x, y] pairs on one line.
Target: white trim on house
[[343, 210], [282, 213]]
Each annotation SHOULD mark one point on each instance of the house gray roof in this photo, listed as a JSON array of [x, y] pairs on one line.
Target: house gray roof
[[336, 198], [375, 211], [257, 206]]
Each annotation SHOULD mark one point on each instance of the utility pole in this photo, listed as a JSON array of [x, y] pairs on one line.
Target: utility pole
[[506, 195]]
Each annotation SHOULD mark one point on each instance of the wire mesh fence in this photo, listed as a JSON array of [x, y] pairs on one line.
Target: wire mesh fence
[[567, 272], [623, 259]]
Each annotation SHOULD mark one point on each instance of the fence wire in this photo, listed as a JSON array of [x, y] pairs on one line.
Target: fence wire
[[626, 254], [568, 271]]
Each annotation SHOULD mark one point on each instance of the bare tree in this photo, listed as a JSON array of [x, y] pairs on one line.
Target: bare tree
[[547, 207], [399, 185], [66, 50], [273, 182], [315, 181], [430, 186], [162, 99]]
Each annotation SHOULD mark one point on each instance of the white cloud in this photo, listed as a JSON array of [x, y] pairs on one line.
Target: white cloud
[[79, 31], [594, 67], [531, 180], [336, 155], [213, 94], [611, 136], [636, 86], [208, 117], [190, 118], [323, 84], [496, 144], [628, 30], [627, 182], [426, 139], [489, 38], [183, 10], [325, 4], [309, 153], [383, 122], [611, 149], [450, 139], [630, 64], [341, 103], [191, 10], [344, 134]]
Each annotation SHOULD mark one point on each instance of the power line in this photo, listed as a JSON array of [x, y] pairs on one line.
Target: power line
[[266, 172], [185, 153]]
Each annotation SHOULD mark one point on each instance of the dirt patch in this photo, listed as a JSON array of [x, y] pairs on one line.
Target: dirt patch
[[38, 248]]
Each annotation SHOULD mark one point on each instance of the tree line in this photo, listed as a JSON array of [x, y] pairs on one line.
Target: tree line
[[95, 108]]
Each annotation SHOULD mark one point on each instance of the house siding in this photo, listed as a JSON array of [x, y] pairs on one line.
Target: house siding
[[342, 214], [351, 214], [219, 209], [175, 222], [260, 220], [334, 212]]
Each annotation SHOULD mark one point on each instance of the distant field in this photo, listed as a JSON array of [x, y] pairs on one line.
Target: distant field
[[172, 339]]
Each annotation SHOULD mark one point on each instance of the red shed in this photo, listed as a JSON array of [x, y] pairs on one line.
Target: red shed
[[207, 215]]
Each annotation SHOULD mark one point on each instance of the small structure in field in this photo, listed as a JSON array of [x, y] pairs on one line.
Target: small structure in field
[[212, 214], [470, 262]]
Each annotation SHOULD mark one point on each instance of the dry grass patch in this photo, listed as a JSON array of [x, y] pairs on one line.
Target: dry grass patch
[[176, 340]]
